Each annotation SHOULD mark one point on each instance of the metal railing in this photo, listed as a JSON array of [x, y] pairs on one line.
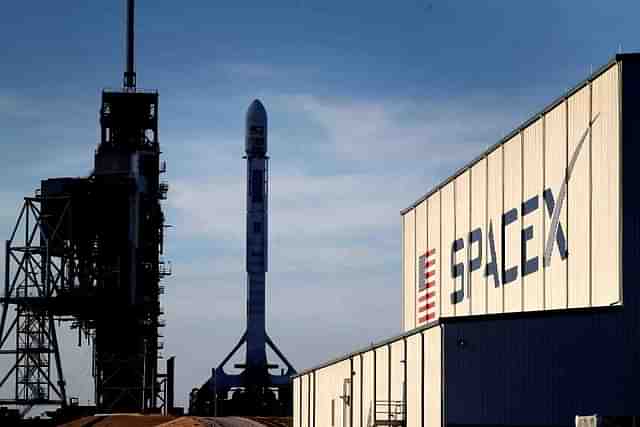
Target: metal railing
[[390, 413]]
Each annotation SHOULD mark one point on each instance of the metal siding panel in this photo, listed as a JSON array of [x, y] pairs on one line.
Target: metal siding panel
[[343, 372], [403, 273], [321, 398], [605, 148], [531, 270], [397, 370], [304, 414], [335, 391], [463, 214], [477, 277], [325, 395], [512, 238], [414, 384], [538, 370], [367, 388], [357, 392], [296, 402], [448, 213], [433, 377], [409, 270], [382, 374], [630, 251], [333, 377], [433, 243], [495, 209], [578, 198], [555, 164], [421, 248]]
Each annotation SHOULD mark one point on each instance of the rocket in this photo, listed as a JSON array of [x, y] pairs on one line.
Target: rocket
[[257, 226], [254, 389]]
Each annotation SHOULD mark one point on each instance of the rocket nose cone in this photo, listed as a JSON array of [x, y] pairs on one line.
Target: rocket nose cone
[[256, 113], [256, 130]]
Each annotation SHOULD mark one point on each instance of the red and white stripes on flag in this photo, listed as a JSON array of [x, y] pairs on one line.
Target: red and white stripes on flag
[[426, 296]]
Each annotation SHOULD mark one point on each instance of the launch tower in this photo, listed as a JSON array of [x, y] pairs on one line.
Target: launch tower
[[90, 254]]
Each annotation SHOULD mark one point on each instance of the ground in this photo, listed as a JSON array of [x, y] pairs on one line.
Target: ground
[[160, 421]]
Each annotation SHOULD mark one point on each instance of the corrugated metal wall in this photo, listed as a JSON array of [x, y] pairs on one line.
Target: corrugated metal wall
[[414, 360], [433, 378], [304, 408], [533, 180], [493, 233], [493, 224], [357, 390], [367, 397], [605, 185], [409, 270], [421, 248], [539, 370], [297, 399], [554, 167], [477, 278], [463, 204], [414, 380], [579, 218], [327, 401], [433, 243], [525, 369]]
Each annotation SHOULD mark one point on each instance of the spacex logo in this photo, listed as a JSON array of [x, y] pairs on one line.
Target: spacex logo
[[504, 274], [473, 259]]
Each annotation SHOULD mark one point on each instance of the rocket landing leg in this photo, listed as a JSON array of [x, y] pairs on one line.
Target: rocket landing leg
[[253, 391]]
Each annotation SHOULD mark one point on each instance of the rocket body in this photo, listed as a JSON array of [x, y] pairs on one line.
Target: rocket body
[[255, 390], [257, 228]]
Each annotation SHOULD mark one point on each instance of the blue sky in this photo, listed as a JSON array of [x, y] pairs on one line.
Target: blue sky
[[370, 105]]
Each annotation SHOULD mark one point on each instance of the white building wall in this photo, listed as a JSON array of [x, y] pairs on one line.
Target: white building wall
[[409, 270], [478, 249], [432, 392], [605, 176], [414, 381], [578, 198], [532, 219], [422, 377], [567, 157], [554, 168]]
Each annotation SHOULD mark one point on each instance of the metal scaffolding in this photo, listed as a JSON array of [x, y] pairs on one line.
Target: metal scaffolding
[[27, 328]]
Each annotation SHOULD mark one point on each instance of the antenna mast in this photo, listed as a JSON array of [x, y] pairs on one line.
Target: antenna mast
[[130, 74]]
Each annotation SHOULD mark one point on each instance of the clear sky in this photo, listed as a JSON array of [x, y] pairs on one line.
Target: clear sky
[[370, 103]]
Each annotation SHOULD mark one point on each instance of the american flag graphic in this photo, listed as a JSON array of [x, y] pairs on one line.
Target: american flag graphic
[[426, 297]]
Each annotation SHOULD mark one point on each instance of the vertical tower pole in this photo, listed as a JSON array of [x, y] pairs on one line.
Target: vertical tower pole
[[130, 73]]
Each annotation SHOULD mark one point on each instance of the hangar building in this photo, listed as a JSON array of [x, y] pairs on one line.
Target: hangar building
[[519, 301]]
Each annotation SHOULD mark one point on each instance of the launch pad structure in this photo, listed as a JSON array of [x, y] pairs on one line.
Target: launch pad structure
[[87, 251]]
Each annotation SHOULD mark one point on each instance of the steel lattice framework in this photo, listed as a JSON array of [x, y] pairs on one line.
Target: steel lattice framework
[[89, 251], [33, 278]]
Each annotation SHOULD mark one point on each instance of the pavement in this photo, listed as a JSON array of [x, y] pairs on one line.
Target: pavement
[[128, 420], [133, 420], [212, 422]]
